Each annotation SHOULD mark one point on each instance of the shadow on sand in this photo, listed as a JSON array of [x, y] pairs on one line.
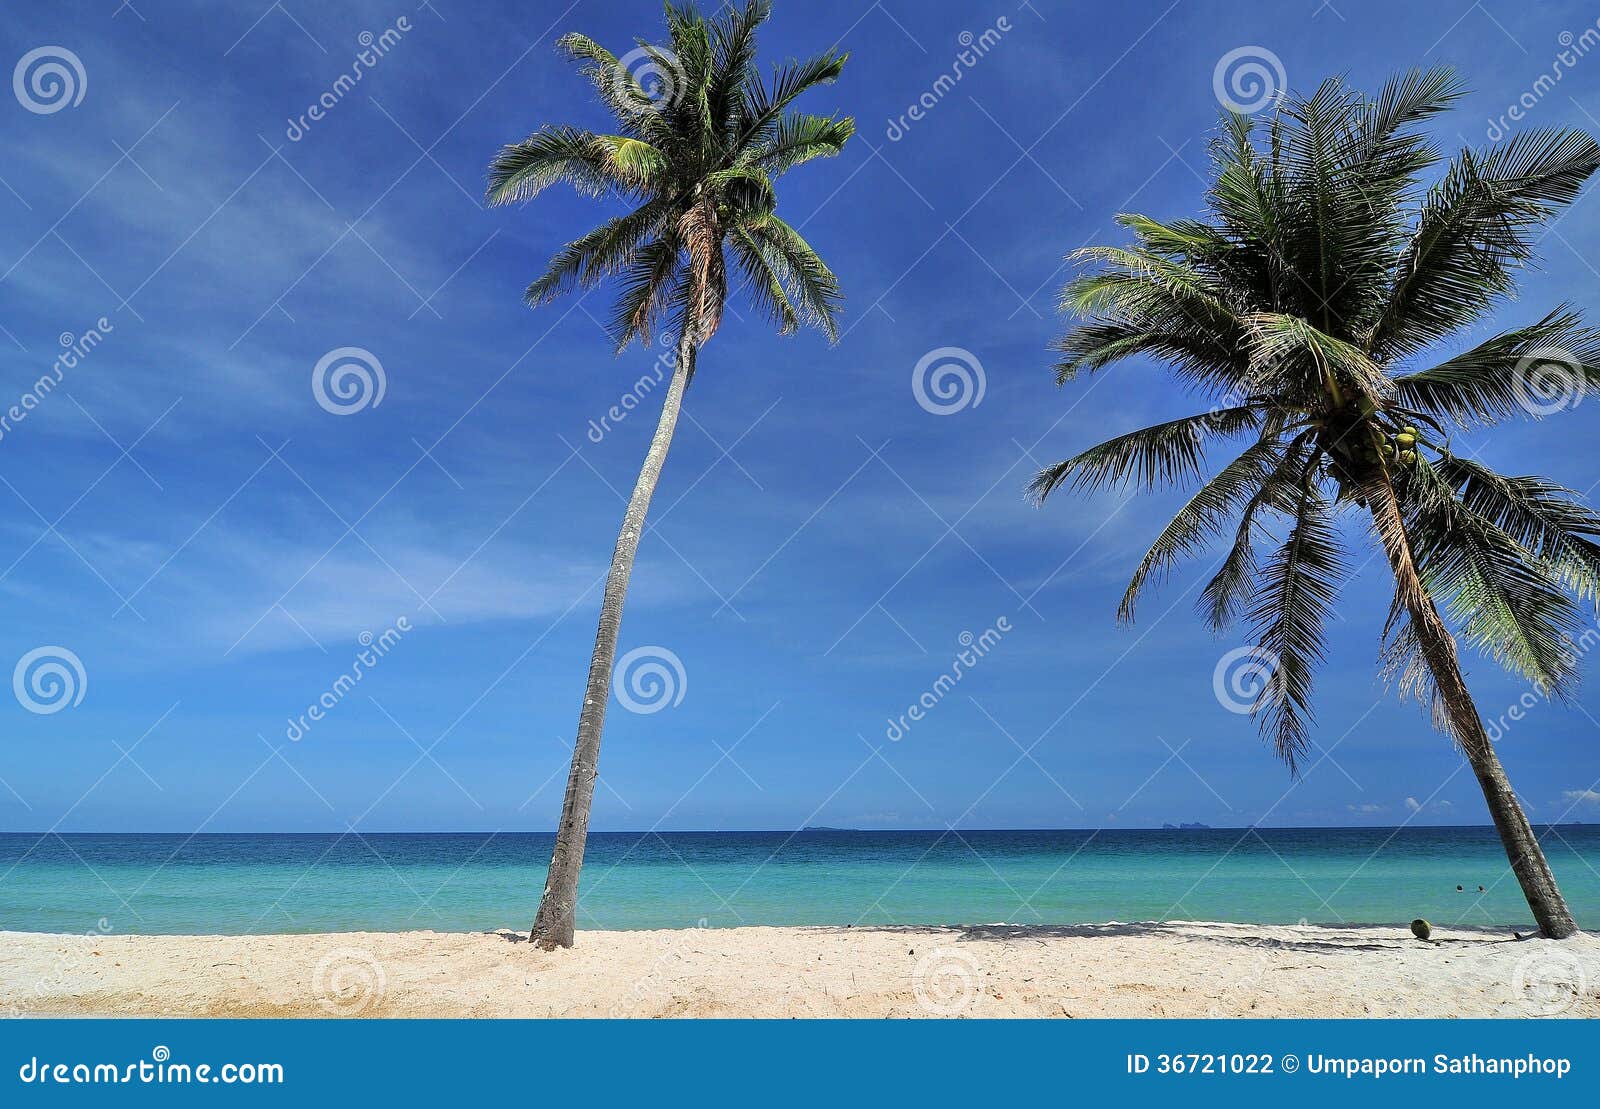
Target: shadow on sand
[[1323, 938], [1353, 937]]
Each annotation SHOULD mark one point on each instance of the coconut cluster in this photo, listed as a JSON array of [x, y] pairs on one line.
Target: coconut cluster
[[1400, 447]]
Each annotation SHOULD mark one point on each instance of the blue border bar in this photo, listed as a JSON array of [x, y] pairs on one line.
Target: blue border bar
[[817, 1064]]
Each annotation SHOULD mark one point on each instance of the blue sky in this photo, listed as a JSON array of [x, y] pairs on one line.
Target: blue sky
[[211, 544]]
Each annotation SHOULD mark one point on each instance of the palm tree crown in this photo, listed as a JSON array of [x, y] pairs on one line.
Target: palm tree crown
[[700, 140], [1321, 275]]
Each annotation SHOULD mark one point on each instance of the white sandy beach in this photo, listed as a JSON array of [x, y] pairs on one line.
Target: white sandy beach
[[1138, 970]]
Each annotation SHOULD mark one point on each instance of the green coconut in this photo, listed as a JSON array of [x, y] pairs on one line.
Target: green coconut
[[1408, 457], [1406, 438], [1421, 929]]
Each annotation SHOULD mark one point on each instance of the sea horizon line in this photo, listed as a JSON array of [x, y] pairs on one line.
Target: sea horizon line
[[796, 831]]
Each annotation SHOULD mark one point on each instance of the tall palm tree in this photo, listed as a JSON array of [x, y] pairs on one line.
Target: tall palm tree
[[700, 138], [1321, 278]]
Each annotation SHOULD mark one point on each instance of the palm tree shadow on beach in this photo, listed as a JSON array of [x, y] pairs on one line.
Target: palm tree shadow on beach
[[1179, 930], [1183, 931]]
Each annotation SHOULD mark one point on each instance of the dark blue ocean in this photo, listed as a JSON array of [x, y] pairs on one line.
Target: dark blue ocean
[[477, 881]]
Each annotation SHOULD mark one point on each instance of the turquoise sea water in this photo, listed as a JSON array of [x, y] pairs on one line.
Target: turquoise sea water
[[477, 881]]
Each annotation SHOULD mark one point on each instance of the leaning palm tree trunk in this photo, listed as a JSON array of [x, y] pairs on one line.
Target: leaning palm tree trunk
[[1438, 650], [556, 921]]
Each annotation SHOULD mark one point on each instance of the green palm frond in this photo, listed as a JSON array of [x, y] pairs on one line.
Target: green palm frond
[[1245, 198], [1401, 665], [692, 58], [1179, 240], [734, 46], [1503, 376], [590, 163], [1292, 603], [1385, 143], [1539, 516], [599, 254], [1163, 454], [764, 103], [1225, 594], [765, 286], [1508, 601], [1290, 355], [1333, 236], [810, 283], [798, 138], [1097, 345], [629, 102], [1476, 226], [1228, 591], [1172, 309], [746, 192], [1202, 519], [644, 291]]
